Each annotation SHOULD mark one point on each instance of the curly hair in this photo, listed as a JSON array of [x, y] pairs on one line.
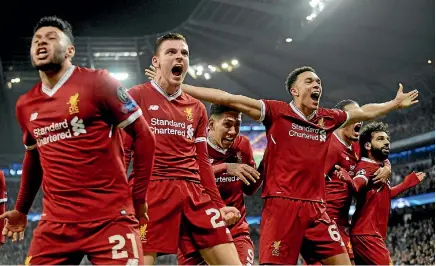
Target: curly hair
[[366, 134]]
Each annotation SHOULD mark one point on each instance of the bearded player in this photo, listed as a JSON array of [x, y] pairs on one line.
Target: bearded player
[[184, 205], [235, 174], [373, 201], [71, 122], [298, 134], [344, 152]]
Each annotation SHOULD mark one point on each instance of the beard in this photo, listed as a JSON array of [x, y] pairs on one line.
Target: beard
[[54, 65], [378, 154]]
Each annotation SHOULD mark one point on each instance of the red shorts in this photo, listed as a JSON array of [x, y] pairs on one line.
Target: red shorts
[[180, 209], [345, 235], [370, 250], [243, 244], [289, 227], [108, 242]]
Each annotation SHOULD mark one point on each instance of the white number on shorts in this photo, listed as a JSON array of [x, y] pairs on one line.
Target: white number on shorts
[[334, 234], [250, 257], [121, 242], [216, 215]]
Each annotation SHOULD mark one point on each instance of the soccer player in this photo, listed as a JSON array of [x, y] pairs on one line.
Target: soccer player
[[71, 122], [298, 134], [373, 201], [184, 204], [235, 174], [3, 200], [344, 152]]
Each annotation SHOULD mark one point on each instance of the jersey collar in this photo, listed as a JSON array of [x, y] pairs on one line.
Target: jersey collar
[[343, 142], [61, 81], [300, 114], [215, 147], [164, 93]]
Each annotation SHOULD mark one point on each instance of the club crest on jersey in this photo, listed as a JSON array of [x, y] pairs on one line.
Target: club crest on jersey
[[321, 122], [74, 104], [239, 157], [276, 248], [189, 114], [143, 232]]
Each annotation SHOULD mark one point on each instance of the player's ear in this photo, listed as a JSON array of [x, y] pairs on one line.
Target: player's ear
[[155, 61], [71, 51], [368, 146], [294, 92], [211, 123]]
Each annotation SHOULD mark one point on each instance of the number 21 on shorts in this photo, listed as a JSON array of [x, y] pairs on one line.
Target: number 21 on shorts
[[118, 250], [213, 220]]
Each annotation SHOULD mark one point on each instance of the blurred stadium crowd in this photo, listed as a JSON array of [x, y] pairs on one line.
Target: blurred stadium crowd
[[411, 234]]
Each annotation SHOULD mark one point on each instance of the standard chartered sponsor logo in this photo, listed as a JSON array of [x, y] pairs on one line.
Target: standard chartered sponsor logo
[[171, 127], [44, 135], [308, 133], [226, 179]]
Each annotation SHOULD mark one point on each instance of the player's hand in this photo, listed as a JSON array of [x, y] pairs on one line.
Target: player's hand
[[150, 72], [342, 174], [15, 225], [382, 175], [141, 212], [405, 100], [230, 215], [244, 172], [420, 176]]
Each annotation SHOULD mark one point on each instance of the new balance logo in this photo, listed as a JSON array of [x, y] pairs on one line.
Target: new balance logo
[[153, 107], [33, 116], [78, 126]]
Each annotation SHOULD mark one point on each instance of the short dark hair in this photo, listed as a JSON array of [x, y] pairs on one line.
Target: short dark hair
[[294, 75], [218, 110], [366, 134], [341, 105], [53, 21], [168, 36]]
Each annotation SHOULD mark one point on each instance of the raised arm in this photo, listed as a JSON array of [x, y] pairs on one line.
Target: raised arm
[[246, 105], [375, 110], [409, 181]]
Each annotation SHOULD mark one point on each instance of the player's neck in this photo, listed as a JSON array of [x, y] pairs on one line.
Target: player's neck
[[166, 86], [50, 78], [303, 109], [371, 157], [341, 135], [213, 141]]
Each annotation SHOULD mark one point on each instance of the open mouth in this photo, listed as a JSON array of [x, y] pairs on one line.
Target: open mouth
[[228, 141], [357, 128], [41, 53], [315, 96], [177, 70]]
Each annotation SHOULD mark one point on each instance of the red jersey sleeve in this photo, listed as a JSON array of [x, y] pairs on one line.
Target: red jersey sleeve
[[3, 200], [28, 141], [268, 111], [116, 104], [364, 175], [339, 117]]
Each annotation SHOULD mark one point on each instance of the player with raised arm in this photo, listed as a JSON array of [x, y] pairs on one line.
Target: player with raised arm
[[373, 201], [185, 208], [233, 164], [344, 152], [298, 134], [3, 200], [71, 122]]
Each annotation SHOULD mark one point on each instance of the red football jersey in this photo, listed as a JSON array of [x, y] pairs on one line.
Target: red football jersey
[[230, 187], [373, 202], [338, 192], [178, 122], [297, 148], [74, 127], [3, 200]]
